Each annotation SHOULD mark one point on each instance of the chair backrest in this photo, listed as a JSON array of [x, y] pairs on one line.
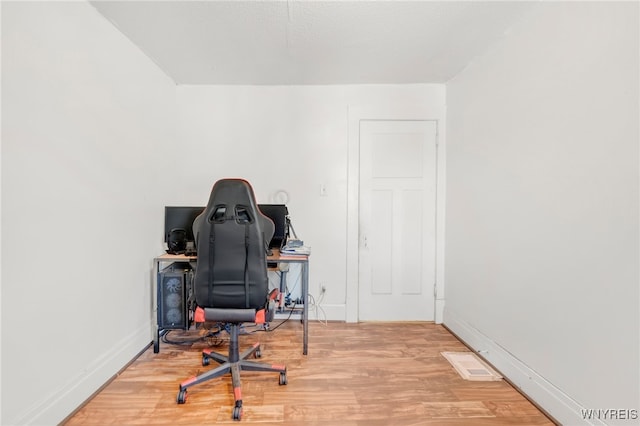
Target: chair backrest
[[230, 234]]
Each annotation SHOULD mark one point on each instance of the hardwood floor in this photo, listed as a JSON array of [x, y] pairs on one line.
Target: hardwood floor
[[354, 374]]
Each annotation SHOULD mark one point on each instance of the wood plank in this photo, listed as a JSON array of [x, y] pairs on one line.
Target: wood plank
[[354, 375]]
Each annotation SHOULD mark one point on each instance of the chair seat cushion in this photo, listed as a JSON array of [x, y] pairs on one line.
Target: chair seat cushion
[[229, 315]]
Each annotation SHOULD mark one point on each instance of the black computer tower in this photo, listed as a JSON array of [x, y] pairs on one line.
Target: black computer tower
[[175, 296]]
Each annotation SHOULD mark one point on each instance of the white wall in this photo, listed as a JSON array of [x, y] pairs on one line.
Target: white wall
[[85, 118], [91, 154], [542, 207], [542, 247], [291, 138]]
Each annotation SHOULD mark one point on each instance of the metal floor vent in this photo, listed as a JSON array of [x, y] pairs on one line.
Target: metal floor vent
[[470, 367]]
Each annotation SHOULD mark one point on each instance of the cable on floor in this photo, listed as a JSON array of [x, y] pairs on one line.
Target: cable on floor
[[211, 337], [316, 307]]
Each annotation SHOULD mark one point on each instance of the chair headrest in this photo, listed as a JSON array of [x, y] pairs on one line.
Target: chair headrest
[[232, 193]]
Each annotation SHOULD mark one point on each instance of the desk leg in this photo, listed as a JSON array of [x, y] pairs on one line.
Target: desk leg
[[305, 306], [283, 289]]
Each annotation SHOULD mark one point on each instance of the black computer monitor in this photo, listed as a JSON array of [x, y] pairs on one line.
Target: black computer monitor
[[278, 214], [180, 217]]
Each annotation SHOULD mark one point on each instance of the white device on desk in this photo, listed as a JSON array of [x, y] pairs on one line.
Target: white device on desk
[[295, 251], [291, 242]]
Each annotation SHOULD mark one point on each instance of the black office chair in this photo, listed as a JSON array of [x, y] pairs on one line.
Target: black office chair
[[231, 284]]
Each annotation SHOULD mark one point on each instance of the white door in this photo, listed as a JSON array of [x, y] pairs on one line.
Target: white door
[[397, 217]]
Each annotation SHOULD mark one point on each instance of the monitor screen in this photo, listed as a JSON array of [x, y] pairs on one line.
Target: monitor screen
[[179, 217]]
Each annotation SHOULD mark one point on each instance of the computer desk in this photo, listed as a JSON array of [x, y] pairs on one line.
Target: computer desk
[[275, 257]]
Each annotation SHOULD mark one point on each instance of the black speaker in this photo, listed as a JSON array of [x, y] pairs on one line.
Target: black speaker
[[174, 291], [279, 214], [177, 241]]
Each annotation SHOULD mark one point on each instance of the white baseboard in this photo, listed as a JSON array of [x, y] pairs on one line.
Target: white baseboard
[[328, 313], [321, 313], [548, 397], [70, 395]]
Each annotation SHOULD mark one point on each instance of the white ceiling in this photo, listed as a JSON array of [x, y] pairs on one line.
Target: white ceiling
[[312, 42]]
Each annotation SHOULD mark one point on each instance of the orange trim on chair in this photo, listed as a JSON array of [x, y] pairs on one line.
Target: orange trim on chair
[[198, 315], [261, 317], [189, 381], [237, 394], [278, 366]]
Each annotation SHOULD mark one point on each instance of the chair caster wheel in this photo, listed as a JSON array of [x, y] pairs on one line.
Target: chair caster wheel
[[283, 378], [237, 413], [257, 353], [205, 360], [182, 396]]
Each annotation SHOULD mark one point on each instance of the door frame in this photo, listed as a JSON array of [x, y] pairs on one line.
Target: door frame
[[420, 112]]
